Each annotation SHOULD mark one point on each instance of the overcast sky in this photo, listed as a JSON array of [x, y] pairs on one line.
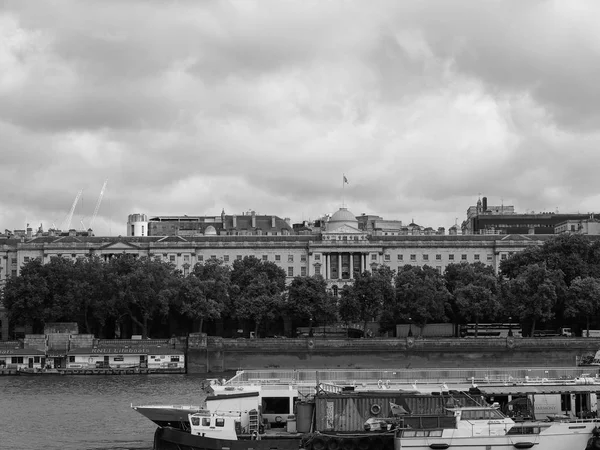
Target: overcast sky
[[192, 107]]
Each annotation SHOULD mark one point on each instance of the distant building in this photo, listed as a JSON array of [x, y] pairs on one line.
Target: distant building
[[224, 225], [502, 220], [590, 226]]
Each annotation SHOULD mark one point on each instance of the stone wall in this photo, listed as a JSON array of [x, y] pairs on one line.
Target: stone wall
[[232, 354]]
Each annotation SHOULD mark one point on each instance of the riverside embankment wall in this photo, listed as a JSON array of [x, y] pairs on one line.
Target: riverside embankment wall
[[214, 354]]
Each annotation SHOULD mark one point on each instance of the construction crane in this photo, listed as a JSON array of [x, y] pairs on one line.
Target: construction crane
[[69, 217], [98, 204]]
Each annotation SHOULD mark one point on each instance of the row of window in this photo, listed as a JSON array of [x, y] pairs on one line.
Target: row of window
[[438, 257], [226, 258], [18, 360]]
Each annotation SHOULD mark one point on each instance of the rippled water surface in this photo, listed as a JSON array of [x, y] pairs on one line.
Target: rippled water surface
[[53, 412]]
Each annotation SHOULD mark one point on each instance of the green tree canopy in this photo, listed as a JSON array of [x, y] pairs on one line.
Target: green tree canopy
[[256, 290], [421, 295], [533, 294], [308, 299], [204, 294], [585, 299]]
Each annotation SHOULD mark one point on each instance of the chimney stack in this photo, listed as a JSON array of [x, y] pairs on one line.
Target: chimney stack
[[484, 204], [234, 217], [253, 219]]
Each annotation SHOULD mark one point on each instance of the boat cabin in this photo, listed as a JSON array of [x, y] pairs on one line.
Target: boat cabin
[[275, 402], [222, 425], [22, 359], [125, 358]]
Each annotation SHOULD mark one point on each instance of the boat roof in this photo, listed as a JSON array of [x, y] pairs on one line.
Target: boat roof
[[538, 389], [124, 351], [20, 352]]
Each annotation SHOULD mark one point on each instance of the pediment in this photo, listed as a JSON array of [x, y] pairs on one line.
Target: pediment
[[119, 245], [67, 240], [345, 229], [516, 237], [174, 238]]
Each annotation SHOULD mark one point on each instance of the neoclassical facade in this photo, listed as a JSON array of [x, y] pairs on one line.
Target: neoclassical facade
[[336, 252]]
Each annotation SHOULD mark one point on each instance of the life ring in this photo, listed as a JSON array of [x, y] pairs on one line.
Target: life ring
[[333, 444], [278, 419], [318, 443], [348, 444], [510, 342], [375, 409], [364, 443], [311, 344], [410, 342]]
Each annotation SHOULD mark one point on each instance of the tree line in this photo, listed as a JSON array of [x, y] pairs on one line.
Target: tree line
[[538, 287]]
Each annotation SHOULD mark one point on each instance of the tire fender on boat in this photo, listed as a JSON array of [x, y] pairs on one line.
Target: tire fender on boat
[[318, 443], [375, 409], [311, 344], [364, 443], [333, 444]]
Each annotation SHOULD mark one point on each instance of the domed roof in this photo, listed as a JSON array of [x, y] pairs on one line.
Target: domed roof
[[210, 230], [343, 215], [341, 218]]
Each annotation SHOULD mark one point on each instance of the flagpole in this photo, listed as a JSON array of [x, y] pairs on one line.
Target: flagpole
[[343, 183]]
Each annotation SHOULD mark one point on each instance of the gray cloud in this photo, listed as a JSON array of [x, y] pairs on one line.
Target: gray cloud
[[190, 107]]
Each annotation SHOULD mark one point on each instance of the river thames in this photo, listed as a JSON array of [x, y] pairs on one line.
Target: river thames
[[54, 412]]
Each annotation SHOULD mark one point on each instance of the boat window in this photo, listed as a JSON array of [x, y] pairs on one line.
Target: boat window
[[275, 405], [206, 421], [421, 433], [219, 422], [408, 433], [195, 421], [436, 433], [497, 415]]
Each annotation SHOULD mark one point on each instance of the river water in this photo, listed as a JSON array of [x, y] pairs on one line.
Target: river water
[[79, 412]]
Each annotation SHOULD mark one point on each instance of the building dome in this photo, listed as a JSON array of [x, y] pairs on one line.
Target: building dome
[[341, 218], [210, 231]]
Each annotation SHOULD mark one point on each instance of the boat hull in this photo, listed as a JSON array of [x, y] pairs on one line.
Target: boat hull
[[174, 416], [166, 438], [560, 436]]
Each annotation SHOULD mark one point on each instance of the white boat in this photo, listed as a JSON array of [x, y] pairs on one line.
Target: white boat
[[486, 428]]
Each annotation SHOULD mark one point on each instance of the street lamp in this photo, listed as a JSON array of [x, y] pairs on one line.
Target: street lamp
[[410, 327], [510, 333], [310, 330]]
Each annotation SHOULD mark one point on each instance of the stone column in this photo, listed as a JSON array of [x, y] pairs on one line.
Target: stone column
[[327, 266], [339, 266], [351, 266]]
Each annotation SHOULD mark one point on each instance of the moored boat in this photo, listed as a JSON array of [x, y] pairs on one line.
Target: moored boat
[[486, 428]]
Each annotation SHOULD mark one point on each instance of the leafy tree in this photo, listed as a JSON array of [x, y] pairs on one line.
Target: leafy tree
[[422, 294], [585, 299], [533, 294], [458, 277], [366, 295], [478, 299], [256, 290], [25, 297], [308, 299], [204, 294], [145, 288]]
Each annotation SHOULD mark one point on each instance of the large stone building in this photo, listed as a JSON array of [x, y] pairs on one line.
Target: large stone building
[[338, 248]]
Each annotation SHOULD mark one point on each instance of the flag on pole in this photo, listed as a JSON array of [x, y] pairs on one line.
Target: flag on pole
[[345, 179]]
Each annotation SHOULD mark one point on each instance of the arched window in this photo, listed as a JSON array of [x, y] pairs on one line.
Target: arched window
[[335, 290]]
